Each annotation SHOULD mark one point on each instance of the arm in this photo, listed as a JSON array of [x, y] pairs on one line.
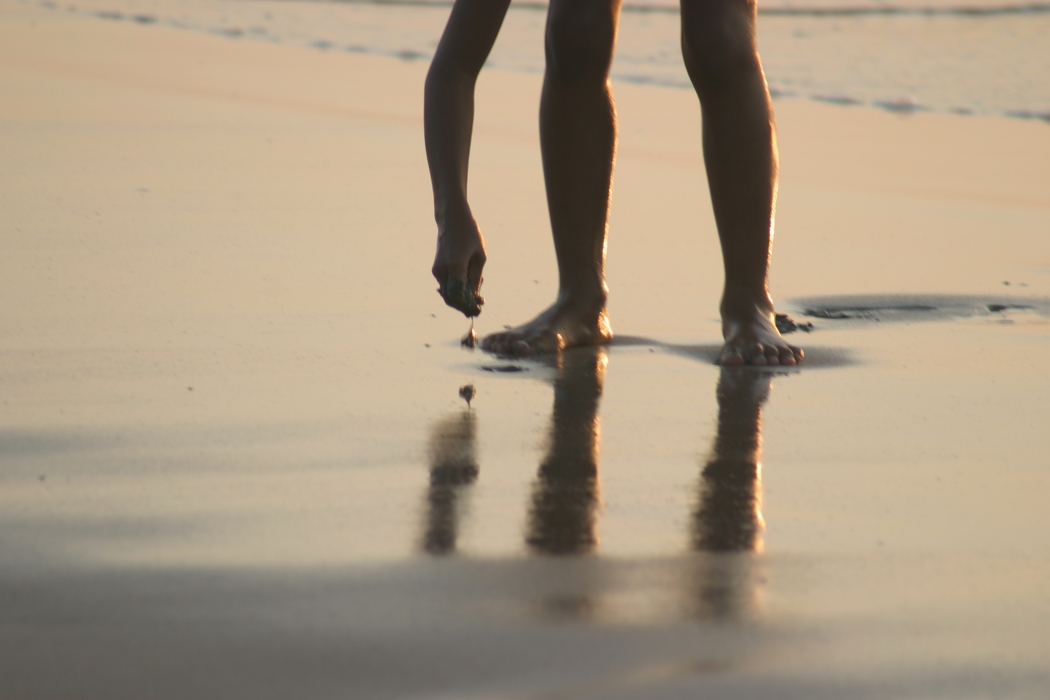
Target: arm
[[448, 119]]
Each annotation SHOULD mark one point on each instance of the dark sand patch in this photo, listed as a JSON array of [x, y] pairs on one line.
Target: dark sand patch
[[904, 308]]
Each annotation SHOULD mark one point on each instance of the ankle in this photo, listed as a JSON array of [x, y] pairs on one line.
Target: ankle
[[746, 300], [590, 296]]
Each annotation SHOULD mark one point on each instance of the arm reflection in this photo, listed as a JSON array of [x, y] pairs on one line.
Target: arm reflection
[[453, 467], [565, 497], [728, 518]]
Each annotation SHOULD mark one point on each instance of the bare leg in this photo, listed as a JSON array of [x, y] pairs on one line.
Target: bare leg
[[740, 152], [448, 122], [578, 138], [565, 497]]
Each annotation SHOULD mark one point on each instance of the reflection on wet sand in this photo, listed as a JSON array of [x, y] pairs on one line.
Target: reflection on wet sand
[[563, 509], [453, 467], [563, 513], [728, 517], [727, 523], [725, 528]]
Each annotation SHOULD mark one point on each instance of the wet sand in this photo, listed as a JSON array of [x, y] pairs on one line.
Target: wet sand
[[236, 462]]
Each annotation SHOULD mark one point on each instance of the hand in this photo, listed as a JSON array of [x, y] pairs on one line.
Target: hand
[[457, 267]]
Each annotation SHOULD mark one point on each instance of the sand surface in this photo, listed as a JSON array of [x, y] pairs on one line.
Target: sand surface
[[236, 463]]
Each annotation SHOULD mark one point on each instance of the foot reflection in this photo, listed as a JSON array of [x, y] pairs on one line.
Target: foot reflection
[[453, 468], [728, 519], [565, 496]]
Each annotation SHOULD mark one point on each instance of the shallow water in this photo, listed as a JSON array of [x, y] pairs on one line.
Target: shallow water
[[992, 58]]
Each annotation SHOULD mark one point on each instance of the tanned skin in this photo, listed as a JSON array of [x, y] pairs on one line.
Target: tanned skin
[[578, 143]]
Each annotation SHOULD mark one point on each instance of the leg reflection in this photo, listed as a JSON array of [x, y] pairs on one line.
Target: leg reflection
[[453, 467], [728, 519], [562, 516]]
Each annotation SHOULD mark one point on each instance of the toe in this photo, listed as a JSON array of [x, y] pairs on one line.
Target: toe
[[539, 343], [497, 342], [491, 343], [787, 357], [521, 347], [731, 357], [758, 355], [509, 346]]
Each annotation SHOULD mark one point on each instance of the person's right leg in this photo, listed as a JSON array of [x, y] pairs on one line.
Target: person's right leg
[[740, 152], [578, 138]]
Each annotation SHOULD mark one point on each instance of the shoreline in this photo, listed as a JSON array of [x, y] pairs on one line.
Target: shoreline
[[317, 17]]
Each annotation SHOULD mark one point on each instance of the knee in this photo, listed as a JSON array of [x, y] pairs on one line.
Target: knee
[[581, 36], [718, 45]]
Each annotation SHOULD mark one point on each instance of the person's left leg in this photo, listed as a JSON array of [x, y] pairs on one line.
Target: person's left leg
[[578, 140], [740, 152]]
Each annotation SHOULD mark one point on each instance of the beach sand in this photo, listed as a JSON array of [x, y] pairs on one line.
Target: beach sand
[[236, 463]]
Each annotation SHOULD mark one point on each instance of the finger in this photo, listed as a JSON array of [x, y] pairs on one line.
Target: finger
[[443, 274], [474, 281], [474, 268], [457, 295], [470, 300], [444, 269]]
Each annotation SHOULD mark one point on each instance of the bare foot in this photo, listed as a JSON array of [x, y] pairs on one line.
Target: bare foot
[[751, 336], [570, 321]]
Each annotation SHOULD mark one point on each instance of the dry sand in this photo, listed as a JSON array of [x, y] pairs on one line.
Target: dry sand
[[225, 375]]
